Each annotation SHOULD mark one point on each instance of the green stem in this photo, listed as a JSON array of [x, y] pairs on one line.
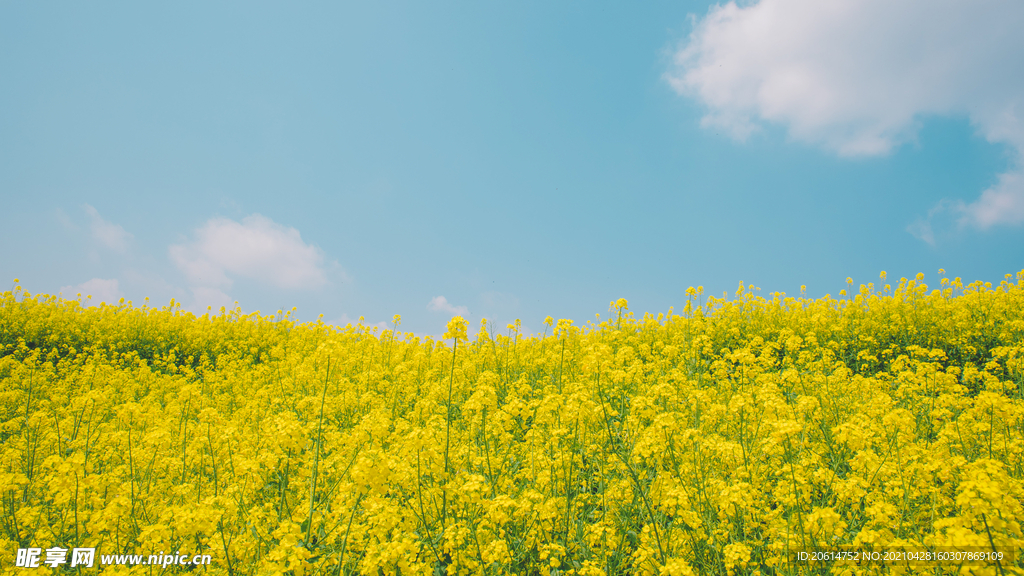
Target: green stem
[[447, 439], [316, 457]]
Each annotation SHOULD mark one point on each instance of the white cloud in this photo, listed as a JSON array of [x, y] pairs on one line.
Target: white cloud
[[101, 290], [65, 220], [204, 296], [111, 235], [441, 304], [257, 248], [938, 217], [1002, 203], [858, 77], [922, 230]]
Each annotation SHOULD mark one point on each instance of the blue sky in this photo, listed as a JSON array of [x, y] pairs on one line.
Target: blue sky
[[504, 160]]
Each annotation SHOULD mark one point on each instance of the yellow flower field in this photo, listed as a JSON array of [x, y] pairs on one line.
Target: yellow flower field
[[724, 438]]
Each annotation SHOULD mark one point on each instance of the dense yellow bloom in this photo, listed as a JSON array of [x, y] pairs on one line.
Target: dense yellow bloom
[[718, 441], [456, 329]]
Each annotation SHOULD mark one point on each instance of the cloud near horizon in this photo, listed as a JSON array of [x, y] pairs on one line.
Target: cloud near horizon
[[441, 304], [857, 78], [101, 290], [111, 235], [257, 248]]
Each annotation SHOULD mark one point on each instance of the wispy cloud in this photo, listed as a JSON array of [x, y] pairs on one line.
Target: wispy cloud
[[205, 296], [857, 77], [1003, 203], [256, 248], [939, 217], [100, 289], [111, 235], [441, 304]]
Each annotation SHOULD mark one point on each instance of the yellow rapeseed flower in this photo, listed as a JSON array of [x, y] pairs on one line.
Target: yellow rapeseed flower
[[715, 442], [456, 328]]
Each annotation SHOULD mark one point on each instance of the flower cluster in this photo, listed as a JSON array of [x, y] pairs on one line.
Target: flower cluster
[[716, 441]]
